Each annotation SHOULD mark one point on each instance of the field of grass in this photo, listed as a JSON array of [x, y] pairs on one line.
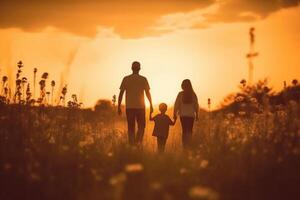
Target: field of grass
[[249, 149]]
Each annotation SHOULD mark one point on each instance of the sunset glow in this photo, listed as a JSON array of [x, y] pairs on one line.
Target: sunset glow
[[210, 50]]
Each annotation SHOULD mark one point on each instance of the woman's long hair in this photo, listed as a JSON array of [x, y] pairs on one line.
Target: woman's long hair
[[188, 92]]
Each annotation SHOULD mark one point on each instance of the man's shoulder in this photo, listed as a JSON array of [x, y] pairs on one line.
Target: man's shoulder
[[180, 93], [126, 77], [141, 77], [135, 76]]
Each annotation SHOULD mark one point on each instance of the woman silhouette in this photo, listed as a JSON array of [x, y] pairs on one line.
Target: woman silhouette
[[187, 107]]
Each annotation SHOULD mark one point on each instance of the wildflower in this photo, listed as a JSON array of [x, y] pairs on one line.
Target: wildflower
[[51, 140], [230, 115], [7, 166], [64, 90], [35, 177], [156, 186], [253, 100], [208, 102], [18, 82], [200, 192], [242, 113], [88, 140], [24, 80], [4, 79], [295, 82], [183, 171], [243, 82], [96, 174], [65, 147], [45, 75], [20, 64], [117, 179], [52, 83], [239, 98], [135, 167], [279, 159], [114, 100], [110, 154], [204, 164], [296, 151], [36, 164], [42, 84]]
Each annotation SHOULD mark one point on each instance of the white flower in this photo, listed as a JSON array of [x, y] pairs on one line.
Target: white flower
[[183, 171], [135, 167], [117, 179], [204, 163], [200, 192]]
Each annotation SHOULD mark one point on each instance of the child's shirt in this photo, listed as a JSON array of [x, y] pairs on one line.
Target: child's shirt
[[162, 123]]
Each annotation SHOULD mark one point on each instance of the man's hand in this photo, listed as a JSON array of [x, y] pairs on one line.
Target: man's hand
[[119, 110], [151, 109]]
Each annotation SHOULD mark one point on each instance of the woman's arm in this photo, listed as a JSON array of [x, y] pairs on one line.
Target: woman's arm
[[176, 106], [196, 105], [173, 122]]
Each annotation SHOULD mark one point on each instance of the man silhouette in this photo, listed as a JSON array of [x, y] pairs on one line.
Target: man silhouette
[[135, 86]]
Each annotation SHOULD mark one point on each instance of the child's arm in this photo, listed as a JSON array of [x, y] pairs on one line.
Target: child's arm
[[173, 122], [150, 117]]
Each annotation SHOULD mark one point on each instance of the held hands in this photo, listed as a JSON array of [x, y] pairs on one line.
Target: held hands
[[151, 109], [175, 117]]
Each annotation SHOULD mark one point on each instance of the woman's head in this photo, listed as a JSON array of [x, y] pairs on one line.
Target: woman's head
[[188, 91], [186, 85]]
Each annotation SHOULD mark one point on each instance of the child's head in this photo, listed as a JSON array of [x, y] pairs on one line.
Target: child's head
[[163, 108]]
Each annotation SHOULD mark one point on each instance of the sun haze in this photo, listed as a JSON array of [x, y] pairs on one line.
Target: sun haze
[[90, 45]]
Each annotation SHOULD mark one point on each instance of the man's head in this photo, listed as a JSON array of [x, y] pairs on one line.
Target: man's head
[[136, 66], [163, 108]]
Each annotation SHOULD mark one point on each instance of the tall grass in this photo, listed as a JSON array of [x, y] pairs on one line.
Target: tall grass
[[248, 149], [24, 96]]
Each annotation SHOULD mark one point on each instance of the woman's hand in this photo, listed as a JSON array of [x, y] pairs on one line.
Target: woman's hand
[[175, 117]]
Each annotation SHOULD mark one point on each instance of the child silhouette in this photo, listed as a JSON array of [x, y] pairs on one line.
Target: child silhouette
[[162, 122]]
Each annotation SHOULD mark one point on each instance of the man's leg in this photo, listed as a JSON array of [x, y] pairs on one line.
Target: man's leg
[[141, 121], [130, 114]]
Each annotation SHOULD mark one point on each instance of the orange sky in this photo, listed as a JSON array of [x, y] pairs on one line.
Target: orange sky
[[91, 49]]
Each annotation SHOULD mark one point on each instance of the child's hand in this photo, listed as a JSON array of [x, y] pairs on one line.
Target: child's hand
[[175, 118], [150, 116], [151, 109]]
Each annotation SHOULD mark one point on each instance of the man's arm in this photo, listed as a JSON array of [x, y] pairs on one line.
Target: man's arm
[[148, 94], [120, 101]]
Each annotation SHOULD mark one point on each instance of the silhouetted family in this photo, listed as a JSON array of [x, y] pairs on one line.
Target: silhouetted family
[[186, 107]]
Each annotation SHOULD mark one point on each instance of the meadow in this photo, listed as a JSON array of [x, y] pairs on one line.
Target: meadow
[[247, 149]]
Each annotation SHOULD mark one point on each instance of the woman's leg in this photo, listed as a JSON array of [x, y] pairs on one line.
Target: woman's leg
[[187, 129], [184, 131], [190, 125]]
